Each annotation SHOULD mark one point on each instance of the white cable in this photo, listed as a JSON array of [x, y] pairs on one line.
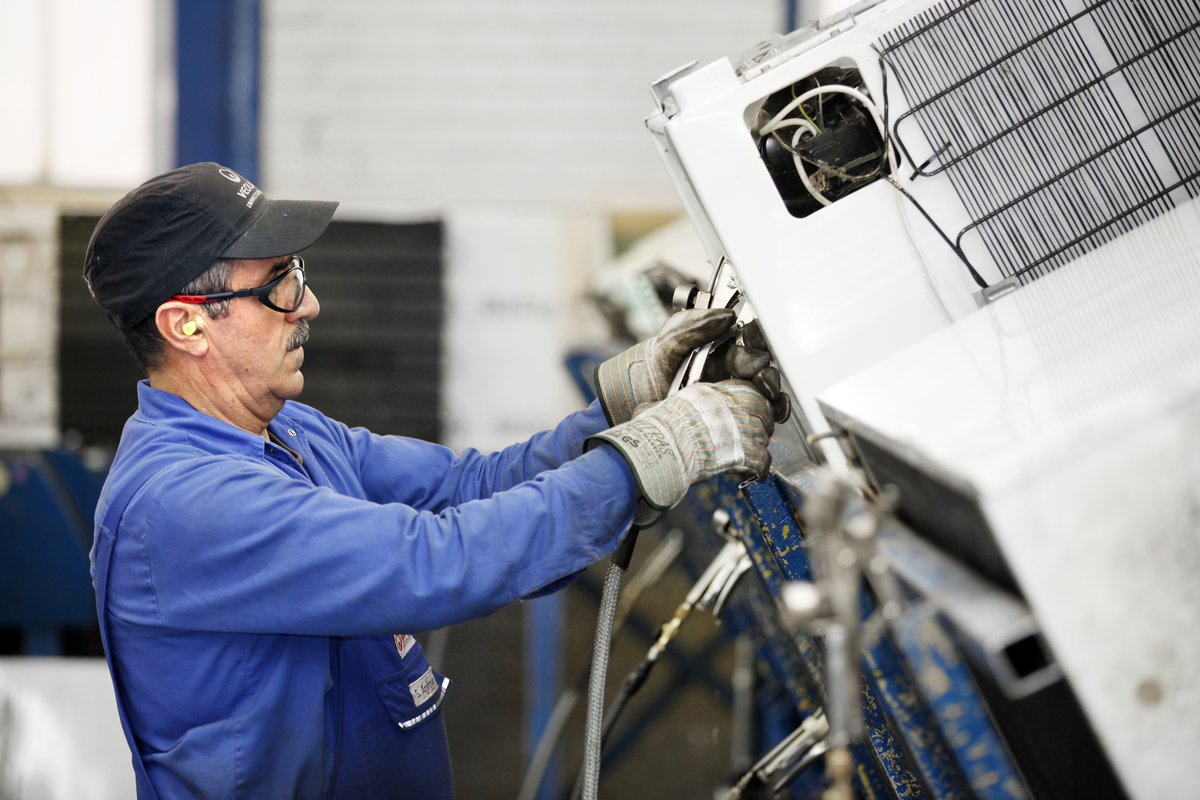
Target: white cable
[[832, 88], [803, 173], [803, 125], [780, 120]]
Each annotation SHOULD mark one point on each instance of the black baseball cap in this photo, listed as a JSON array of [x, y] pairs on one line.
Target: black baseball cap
[[168, 231]]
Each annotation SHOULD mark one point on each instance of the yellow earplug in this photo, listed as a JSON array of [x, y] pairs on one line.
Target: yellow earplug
[[189, 327]]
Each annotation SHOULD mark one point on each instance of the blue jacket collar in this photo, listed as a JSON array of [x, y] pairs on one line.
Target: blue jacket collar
[[157, 407]]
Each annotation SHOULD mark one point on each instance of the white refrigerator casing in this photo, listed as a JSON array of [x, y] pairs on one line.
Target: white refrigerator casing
[[1070, 410], [847, 285]]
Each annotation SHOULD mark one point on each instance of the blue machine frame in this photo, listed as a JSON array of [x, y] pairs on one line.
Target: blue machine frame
[[47, 499], [928, 732]]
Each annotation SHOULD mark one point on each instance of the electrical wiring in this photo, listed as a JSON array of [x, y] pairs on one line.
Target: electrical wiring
[[781, 120], [799, 156], [805, 113], [822, 90], [803, 126], [825, 166]]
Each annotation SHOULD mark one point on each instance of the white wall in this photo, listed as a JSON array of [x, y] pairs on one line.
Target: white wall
[[512, 281], [424, 103], [520, 124], [80, 92], [83, 96]]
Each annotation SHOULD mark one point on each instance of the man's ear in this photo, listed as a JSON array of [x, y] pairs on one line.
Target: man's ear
[[184, 327]]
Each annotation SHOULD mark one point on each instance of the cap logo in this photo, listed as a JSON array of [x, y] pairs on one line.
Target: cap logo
[[230, 175]]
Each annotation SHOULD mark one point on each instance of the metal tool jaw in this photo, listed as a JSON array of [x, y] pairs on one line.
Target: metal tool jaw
[[723, 292], [799, 749]]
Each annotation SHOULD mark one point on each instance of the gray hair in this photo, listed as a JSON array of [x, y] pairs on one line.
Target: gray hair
[[146, 344]]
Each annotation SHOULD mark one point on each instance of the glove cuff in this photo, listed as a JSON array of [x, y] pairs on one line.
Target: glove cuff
[[618, 381], [649, 449]]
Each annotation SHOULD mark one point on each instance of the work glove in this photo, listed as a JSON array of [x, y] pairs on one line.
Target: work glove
[[702, 430], [643, 373], [750, 361]]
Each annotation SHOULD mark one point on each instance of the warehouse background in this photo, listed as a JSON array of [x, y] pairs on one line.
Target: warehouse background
[[489, 157]]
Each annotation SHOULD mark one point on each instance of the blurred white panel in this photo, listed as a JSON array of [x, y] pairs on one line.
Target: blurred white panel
[[60, 736], [820, 9], [622, 281], [514, 283], [102, 91], [22, 91], [28, 326]]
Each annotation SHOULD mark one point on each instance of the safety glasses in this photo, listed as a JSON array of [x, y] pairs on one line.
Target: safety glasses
[[285, 293]]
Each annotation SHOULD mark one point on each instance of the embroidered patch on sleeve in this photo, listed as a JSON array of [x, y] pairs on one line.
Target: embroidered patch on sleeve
[[404, 643]]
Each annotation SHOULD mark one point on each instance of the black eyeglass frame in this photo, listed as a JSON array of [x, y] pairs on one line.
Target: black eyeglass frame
[[263, 292]]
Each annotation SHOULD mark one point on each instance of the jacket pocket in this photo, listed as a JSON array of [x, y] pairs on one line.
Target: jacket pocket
[[412, 696], [404, 747]]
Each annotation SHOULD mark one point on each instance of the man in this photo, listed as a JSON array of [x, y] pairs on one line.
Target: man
[[259, 568]]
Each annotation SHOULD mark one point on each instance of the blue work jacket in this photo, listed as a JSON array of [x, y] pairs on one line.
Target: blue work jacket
[[254, 605]]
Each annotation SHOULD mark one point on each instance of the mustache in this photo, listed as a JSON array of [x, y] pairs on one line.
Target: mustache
[[299, 335]]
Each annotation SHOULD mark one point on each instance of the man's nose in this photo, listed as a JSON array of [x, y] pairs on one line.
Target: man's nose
[[309, 308]]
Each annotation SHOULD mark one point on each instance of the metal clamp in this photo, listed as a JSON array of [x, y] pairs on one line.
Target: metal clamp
[[789, 758], [723, 292]]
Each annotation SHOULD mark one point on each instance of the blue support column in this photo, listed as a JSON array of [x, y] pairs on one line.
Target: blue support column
[[543, 676], [45, 533], [217, 68]]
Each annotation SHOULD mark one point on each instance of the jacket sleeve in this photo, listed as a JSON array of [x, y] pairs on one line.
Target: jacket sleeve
[[447, 480], [231, 544]]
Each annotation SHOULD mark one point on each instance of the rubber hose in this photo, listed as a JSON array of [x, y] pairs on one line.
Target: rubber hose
[[633, 682]]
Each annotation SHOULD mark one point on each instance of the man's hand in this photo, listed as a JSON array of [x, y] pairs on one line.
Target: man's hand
[[643, 373], [700, 431]]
